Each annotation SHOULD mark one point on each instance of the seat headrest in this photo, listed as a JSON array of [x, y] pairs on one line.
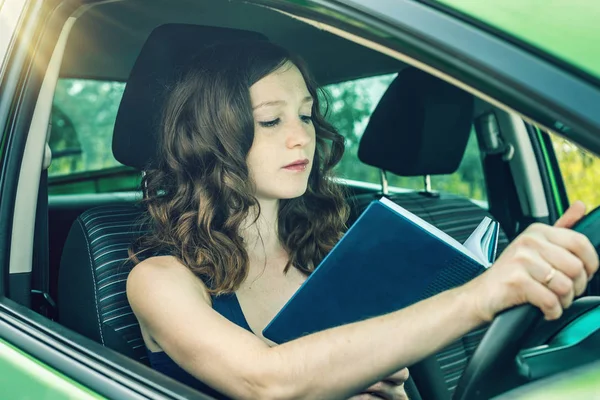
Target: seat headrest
[[169, 51], [420, 126]]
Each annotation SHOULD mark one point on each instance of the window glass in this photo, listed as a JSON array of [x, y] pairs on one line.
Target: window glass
[[350, 106], [580, 171], [83, 117]]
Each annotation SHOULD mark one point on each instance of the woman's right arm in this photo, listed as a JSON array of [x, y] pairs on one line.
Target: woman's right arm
[[339, 362]]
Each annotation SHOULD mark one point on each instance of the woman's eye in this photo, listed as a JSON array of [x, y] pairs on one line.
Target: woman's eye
[[269, 124], [307, 119]]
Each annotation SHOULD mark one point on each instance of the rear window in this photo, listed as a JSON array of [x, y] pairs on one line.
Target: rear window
[[83, 117]]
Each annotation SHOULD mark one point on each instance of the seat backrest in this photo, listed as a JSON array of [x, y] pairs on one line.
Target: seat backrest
[[421, 127], [93, 271]]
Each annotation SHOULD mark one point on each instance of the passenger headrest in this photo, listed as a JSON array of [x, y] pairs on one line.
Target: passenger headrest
[[420, 126], [168, 52]]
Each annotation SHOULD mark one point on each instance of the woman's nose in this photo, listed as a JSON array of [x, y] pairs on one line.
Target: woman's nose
[[300, 134]]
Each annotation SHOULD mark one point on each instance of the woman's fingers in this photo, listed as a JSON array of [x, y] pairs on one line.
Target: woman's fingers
[[559, 269], [385, 390], [562, 286], [544, 299], [544, 285], [576, 243], [573, 214], [545, 266], [398, 378], [391, 388]]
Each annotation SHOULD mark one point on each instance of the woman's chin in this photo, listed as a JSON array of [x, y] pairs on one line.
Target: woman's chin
[[283, 192], [291, 193]]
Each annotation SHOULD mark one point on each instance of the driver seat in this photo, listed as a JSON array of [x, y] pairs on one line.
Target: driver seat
[[94, 265]]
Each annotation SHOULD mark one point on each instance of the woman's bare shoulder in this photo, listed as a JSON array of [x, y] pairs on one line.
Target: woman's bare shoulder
[[164, 274]]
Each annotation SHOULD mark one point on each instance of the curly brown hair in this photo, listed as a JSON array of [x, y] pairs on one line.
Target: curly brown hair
[[200, 193]]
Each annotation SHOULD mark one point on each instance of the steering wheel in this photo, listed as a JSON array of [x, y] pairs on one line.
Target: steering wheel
[[507, 334]]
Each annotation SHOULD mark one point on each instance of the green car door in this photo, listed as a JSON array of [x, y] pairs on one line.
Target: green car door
[[23, 376]]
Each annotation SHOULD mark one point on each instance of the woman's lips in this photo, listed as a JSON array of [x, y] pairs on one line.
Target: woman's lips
[[296, 167], [299, 165]]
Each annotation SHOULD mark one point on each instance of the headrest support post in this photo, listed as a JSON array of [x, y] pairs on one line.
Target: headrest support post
[[144, 186], [491, 140], [427, 183], [384, 183]]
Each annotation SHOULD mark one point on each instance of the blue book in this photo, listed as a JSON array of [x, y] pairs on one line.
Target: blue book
[[388, 260]]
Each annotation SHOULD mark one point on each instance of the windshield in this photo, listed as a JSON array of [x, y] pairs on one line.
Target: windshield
[[565, 29]]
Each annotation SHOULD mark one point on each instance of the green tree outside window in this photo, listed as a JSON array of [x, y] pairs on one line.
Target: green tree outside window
[[83, 117], [580, 171]]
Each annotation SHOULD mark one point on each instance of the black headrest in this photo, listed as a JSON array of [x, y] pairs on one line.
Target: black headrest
[[168, 52], [420, 126]]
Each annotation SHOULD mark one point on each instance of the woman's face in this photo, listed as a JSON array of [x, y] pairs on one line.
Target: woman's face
[[282, 152]]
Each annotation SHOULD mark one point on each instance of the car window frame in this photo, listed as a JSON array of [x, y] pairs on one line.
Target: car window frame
[[464, 12], [550, 171], [18, 91]]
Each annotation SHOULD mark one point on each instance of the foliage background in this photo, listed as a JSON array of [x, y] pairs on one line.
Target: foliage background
[[84, 114], [580, 171]]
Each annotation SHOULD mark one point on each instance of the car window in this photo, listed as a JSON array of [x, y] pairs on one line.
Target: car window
[[83, 117], [350, 106], [84, 113], [580, 171]]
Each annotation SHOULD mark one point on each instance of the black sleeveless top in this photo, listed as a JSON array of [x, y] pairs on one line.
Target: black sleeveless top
[[228, 306]]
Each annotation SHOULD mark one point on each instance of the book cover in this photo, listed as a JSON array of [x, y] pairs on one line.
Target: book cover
[[388, 260]]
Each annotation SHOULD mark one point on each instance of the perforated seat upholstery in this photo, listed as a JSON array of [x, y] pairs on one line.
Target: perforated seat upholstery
[[421, 127]]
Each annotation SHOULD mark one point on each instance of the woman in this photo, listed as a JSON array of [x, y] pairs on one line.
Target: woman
[[243, 210]]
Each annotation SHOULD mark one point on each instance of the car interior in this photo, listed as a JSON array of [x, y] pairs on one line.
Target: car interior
[[420, 128]]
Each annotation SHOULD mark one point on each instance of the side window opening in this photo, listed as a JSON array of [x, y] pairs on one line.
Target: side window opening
[[351, 105], [84, 113], [83, 117], [580, 171]]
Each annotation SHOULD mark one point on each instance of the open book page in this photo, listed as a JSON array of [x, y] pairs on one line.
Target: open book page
[[483, 242], [437, 232]]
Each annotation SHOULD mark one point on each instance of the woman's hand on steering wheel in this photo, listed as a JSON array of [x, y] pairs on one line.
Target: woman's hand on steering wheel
[[391, 388], [547, 266]]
